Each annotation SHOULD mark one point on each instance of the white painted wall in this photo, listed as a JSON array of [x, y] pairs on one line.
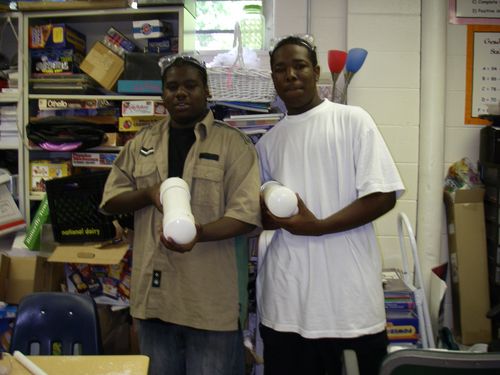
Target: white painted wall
[[388, 87]]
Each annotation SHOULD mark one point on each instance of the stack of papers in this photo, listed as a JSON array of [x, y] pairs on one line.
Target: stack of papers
[[11, 219], [8, 126]]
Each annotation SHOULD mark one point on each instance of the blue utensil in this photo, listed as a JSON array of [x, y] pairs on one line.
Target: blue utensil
[[355, 59]]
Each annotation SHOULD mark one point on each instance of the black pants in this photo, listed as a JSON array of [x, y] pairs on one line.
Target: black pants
[[288, 353]]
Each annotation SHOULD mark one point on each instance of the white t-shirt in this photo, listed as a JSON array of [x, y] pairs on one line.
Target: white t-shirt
[[330, 285]]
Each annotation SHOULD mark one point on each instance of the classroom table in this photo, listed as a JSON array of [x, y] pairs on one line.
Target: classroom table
[[82, 365]]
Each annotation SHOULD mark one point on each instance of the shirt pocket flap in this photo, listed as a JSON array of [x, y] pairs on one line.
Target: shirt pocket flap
[[208, 173]]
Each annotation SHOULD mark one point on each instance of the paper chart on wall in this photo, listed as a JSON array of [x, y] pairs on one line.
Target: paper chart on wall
[[483, 72]]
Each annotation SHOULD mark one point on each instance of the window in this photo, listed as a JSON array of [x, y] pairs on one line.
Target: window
[[215, 22]]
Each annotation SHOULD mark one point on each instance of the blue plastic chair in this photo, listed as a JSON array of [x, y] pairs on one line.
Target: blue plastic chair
[[57, 323]]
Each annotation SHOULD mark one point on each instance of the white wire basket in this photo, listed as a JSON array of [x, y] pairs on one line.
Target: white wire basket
[[240, 84]]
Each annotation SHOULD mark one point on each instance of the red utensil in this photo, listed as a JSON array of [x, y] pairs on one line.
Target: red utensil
[[336, 62]]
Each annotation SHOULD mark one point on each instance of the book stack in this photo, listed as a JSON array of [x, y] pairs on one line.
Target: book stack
[[8, 126], [254, 125], [63, 84], [400, 309]]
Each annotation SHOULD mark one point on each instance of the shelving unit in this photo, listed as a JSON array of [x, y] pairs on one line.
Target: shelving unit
[[12, 50], [490, 175], [93, 24]]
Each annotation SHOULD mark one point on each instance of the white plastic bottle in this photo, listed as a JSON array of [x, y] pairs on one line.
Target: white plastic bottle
[[280, 200], [178, 221]]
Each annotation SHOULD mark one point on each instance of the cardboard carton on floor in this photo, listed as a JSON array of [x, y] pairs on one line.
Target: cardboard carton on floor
[[22, 275], [103, 272], [468, 264]]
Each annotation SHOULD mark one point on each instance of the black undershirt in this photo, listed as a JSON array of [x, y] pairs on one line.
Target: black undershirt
[[179, 143]]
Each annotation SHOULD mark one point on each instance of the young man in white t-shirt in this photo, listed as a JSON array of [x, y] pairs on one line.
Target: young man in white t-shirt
[[319, 286]]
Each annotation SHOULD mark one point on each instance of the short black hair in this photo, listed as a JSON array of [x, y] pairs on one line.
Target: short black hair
[[183, 61], [299, 41]]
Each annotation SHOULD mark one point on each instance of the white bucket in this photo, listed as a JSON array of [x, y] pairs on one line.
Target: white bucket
[[178, 221], [280, 200]]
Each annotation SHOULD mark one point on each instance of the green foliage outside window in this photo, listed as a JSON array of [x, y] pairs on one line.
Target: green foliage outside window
[[215, 22]]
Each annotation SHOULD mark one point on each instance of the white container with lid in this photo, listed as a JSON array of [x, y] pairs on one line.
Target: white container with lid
[[178, 221], [280, 200]]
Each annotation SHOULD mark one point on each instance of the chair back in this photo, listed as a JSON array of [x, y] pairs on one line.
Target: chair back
[[440, 362], [58, 323]]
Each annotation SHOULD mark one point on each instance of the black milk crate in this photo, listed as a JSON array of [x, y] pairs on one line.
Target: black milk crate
[[74, 208]]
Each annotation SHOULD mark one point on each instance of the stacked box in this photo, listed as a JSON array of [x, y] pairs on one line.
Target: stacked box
[[136, 108], [469, 265], [59, 36], [118, 42], [148, 29], [400, 309], [108, 284], [44, 170], [55, 61], [134, 124], [56, 49], [166, 44], [93, 159]]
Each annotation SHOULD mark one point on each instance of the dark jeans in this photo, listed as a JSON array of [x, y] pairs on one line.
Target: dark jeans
[[288, 353], [178, 350]]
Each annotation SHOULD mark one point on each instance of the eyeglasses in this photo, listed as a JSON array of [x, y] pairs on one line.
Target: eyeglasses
[[167, 61], [305, 40]]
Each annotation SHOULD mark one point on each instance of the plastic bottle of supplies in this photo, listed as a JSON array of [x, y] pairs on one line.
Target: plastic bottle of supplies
[[280, 200], [252, 27], [178, 221]]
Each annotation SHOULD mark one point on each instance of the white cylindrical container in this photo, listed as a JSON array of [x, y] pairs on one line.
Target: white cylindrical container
[[280, 200], [178, 221]]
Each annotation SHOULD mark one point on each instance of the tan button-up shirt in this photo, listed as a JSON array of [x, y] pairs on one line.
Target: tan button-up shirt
[[199, 288]]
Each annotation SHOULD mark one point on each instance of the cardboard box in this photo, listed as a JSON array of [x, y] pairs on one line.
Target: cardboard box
[[55, 61], [148, 29], [43, 170], [93, 159], [134, 124], [402, 327], [22, 275], [103, 65], [143, 108], [56, 36], [101, 271], [166, 44], [469, 269], [140, 86], [59, 104]]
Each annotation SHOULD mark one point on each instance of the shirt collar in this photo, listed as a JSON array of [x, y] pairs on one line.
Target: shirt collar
[[204, 127]]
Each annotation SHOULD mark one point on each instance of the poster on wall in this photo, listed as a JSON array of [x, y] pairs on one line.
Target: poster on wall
[[482, 84], [474, 11]]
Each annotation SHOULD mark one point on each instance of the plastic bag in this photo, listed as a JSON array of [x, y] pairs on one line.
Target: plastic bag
[[462, 175]]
